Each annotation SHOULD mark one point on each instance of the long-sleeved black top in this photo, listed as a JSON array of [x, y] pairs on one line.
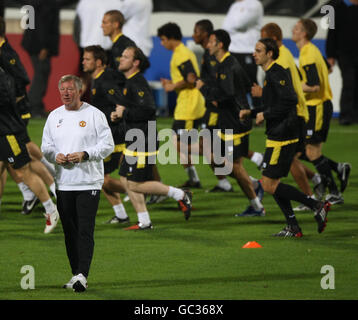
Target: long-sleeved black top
[[209, 66], [230, 94], [279, 102], [140, 106], [14, 67], [10, 121], [119, 45], [106, 92]]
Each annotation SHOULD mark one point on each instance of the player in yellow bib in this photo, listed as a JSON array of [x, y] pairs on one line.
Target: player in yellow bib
[[318, 94], [190, 104]]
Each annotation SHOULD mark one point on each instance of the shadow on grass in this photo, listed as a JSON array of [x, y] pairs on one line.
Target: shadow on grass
[[162, 207], [11, 209], [164, 283], [343, 208], [212, 280], [170, 223], [12, 203], [38, 236]]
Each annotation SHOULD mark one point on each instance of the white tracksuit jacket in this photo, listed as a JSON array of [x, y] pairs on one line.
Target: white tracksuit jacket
[[243, 22], [66, 132]]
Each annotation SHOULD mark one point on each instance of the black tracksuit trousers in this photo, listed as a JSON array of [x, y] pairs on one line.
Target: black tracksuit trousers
[[77, 211]]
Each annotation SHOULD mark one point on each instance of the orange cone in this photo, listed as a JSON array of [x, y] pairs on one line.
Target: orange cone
[[252, 244]]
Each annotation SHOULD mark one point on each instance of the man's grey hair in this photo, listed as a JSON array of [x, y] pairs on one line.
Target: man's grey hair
[[70, 77]]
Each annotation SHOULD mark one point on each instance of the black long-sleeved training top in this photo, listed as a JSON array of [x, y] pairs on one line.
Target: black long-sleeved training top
[[139, 103], [229, 91], [10, 121], [279, 102]]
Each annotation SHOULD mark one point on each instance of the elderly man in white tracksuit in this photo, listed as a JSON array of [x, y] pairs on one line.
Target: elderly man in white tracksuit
[[76, 138]]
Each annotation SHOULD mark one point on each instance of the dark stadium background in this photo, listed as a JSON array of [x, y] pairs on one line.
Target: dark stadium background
[[272, 7], [68, 59]]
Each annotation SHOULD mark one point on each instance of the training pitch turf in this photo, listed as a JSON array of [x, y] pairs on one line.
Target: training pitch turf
[[201, 258]]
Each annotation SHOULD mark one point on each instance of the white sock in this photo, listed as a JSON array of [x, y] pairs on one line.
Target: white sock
[[120, 211], [193, 175], [316, 179], [50, 167], [255, 182], [175, 193], [53, 189], [143, 218], [224, 184], [257, 205], [257, 158], [340, 167], [49, 206], [26, 192]]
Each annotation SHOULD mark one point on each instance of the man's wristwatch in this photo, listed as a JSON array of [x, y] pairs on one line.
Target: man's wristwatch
[[85, 156]]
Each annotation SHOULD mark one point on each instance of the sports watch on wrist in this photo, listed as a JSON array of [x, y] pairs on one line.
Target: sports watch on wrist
[[86, 155]]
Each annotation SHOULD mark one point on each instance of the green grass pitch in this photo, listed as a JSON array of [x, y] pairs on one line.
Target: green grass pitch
[[199, 259]]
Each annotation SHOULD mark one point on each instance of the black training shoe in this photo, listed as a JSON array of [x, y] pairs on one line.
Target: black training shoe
[[220, 189], [185, 204], [116, 220], [191, 184], [69, 284], [251, 212], [29, 205], [335, 198], [156, 199], [80, 283], [343, 174], [321, 215], [289, 231]]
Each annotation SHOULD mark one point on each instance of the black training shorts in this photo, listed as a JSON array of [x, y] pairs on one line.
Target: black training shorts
[[278, 158], [13, 150]]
